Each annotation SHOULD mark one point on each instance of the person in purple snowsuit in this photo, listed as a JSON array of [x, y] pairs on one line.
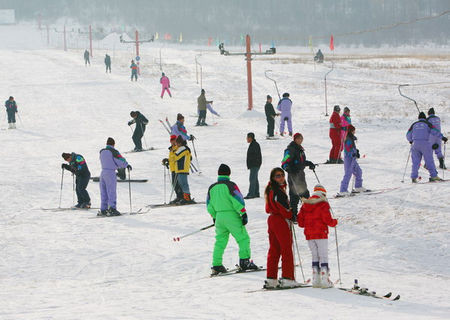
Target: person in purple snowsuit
[[435, 141], [111, 160], [419, 135], [351, 166], [285, 105], [179, 129]]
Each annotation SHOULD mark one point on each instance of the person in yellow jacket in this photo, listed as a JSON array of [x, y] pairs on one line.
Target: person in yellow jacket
[[170, 163], [182, 165]]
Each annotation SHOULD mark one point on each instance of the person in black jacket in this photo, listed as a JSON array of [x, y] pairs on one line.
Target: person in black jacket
[[108, 63], [78, 166], [254, 160], [139, 130], [294, 162], [270, 116], [86, 58]]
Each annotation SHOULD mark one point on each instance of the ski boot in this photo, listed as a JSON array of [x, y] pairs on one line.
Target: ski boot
[[433, 179], [10, 126], [102, 213], [175, 201], [270, 283], [316, 278], [288, 283], [86, 206], [414, 180], [282, 134], [290, 133], [340, 161], [112, 212], [215, 270], [325, 281], [343, 194], [359, 190], [78, 206], [186, 199], [247, 264], [442, 164]]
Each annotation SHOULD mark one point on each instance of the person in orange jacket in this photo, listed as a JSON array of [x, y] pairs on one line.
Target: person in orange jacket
[[315, 218]]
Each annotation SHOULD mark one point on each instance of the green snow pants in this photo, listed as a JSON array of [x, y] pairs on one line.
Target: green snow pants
[[230, 222]]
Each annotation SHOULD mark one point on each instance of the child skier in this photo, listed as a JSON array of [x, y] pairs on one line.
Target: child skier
[[280, 236], [183, 159], [170, 163], [351, 166], [315, 218]]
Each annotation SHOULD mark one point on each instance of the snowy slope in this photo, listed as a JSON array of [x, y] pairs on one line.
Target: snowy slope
[[63, 265]]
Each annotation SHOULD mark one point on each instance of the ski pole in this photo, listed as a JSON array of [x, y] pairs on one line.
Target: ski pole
[[164, 125], [443, 167], [60, 190], [129, 188], [73, 190], [20, 119], [293, 249], [165, 184], [190, 234], [195, 153], [298, 251], [406, 166], [316, 176], [174, 185]]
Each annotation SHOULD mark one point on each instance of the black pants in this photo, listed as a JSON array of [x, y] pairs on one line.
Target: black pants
[[137, 139], [270, 126], [297, 189], [81, 183], [134, 74], [11, 116], [201, 117], [108, 67]]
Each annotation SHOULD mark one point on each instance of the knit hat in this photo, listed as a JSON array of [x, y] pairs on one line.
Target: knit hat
[[251, 135], [346, 109], [320, 188], [224, 170], [110, 142], [180, 116], [173, 137], [337, 108], [296, 135], [285, 95], [269, 97], [422, 115], [66, 155], [133, 113], [431, 111]]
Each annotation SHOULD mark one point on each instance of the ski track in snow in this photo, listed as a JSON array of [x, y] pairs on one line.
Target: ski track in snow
[[63, 265]]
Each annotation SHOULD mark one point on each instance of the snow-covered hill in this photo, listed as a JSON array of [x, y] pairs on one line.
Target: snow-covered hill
[[64, 265]]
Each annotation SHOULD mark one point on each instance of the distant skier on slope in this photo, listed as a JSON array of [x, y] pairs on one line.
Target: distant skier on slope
[[108, 63], [134, 70], [11, 110], [285, 106], [201, 108], [294, 162], [270, 116], [226, 206], [110, 160], [78, 166], [318, 57], [86, 58], [141, 121], [183, 159], [351, 166], [435, 141], [171, 164], [335, 136], [280, 236], [315, 217], [179, 129], [165, 83], [419, 135]]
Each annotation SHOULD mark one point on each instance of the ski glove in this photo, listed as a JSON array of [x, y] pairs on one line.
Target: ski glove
[[191, 137], [312, 166], [357, 154], [130, 123], [66, 166], [244, 219], [410, 142], [435, 146], [165, 162], [129, 167], [445, 139]]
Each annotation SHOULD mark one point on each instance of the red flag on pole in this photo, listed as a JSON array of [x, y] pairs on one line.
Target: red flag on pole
[[332, 43]]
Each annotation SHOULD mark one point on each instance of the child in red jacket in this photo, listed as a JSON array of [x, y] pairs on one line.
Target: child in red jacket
[[280, 237], [315, 217]]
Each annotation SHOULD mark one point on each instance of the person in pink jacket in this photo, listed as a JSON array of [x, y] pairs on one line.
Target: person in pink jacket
[[165, 83], [345, 122]]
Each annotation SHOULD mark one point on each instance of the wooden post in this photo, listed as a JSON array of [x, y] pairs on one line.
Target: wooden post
[[249, 73], [90, 40]]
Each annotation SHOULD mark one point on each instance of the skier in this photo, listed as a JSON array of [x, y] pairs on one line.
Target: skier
[[346, 120], [134, 70], [201, 108], [335, 136], [11, 110], [294, 163], [86, 58], [315, 218], [436, 142], [78, 166], [280, 236], [165, 83], [419, 135], [227, 208], [254, 161], [351, 166], [179, 129], [108, 63], [110, 160], [141, 121], [170, 163], [318, 57], [183, 159], [270, 116], [285, 106]]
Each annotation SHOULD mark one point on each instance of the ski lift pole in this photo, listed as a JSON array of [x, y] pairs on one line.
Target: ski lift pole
[[404, 96], [325, 79], [276, 87]]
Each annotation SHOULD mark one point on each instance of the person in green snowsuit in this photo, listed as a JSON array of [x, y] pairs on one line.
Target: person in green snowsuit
[[226, 206]]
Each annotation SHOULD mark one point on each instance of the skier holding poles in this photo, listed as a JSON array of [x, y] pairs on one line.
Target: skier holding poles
[[171, 164], [78, 166], [179, 129], [141, 121]]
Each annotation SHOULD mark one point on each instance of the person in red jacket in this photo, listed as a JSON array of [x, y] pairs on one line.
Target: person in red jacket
[[280, 237], [315, 217], [335, 136]]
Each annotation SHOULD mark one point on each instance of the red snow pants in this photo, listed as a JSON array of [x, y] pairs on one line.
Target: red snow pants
[[335, 136], [280, 240]]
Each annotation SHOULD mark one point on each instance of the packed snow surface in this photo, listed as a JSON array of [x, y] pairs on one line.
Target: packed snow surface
[[64, 265]]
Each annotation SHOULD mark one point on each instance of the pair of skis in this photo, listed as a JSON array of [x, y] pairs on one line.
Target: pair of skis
[[356, 289], [165, 205], [140, 211], [367, 192]]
